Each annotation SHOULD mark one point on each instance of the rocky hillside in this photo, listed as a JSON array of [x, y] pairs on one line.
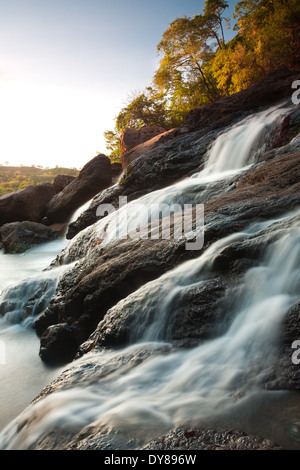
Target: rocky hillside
[[110, 297]]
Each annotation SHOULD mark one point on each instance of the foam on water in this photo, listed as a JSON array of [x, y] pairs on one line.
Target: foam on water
[[168, 387]]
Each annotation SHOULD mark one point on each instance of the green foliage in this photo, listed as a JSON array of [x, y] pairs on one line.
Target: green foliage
[[197, 66], [112, 139], [13, 178], [268, 38], [185, 54], [144, 109]]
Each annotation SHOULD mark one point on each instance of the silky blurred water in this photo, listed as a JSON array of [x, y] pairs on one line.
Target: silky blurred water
[[114, 390]]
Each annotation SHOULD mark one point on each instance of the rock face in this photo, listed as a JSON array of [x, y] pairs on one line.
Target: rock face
[[154, 297], [18, 237], [97, 286], [60, 345], [202, 439], [178, 158], [132, 137], [142, 148], [91, 299], [61, 181], [116, 171], [26, 204], [106, 275], [95, 176], [275, 87], [208, 298]]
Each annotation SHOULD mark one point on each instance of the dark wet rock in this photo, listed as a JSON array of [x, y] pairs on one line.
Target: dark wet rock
[[163, 166], [100, 281], [181, 157], [18, 237], [271, 189], [167, 163], [61, 181], [60, 229], [94, 176], [26, 204], [116, 171], [58, 345], [210, 439], [97, 369], [287, 357], [106, 274], [267, 190], [89, 216], [202, 307]]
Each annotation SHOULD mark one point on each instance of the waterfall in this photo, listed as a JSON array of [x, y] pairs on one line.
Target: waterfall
[[243, 143], [26, 287], [146, 388], [174, 387], [233, 151]]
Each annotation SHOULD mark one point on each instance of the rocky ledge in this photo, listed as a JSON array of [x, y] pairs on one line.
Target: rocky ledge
[[112, 294]]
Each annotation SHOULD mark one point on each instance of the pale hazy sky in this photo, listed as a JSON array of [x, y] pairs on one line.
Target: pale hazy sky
[[68, 66]]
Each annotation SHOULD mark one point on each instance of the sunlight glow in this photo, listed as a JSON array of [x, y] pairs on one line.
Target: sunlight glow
[[48, 126]]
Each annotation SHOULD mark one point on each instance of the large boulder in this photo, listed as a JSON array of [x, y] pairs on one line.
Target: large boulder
[[95, 176], [26, 204], [116, 171], [208, 439], [89, 216], [18, 237], [61, 181], [130, 138], [106, 274], [60, 344], [144, 147], [162, 166]]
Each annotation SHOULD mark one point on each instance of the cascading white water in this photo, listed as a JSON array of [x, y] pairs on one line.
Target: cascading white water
[[21, 371], [243, 143], [173, 387], [25, 290], [233, 151]]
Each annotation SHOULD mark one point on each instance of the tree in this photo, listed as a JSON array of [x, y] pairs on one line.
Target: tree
[[267, 39], [149, 108], [185, 53], [213, 20], [112, 139], [145, 109], [272, 29], [187, 49], [234, 67]]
